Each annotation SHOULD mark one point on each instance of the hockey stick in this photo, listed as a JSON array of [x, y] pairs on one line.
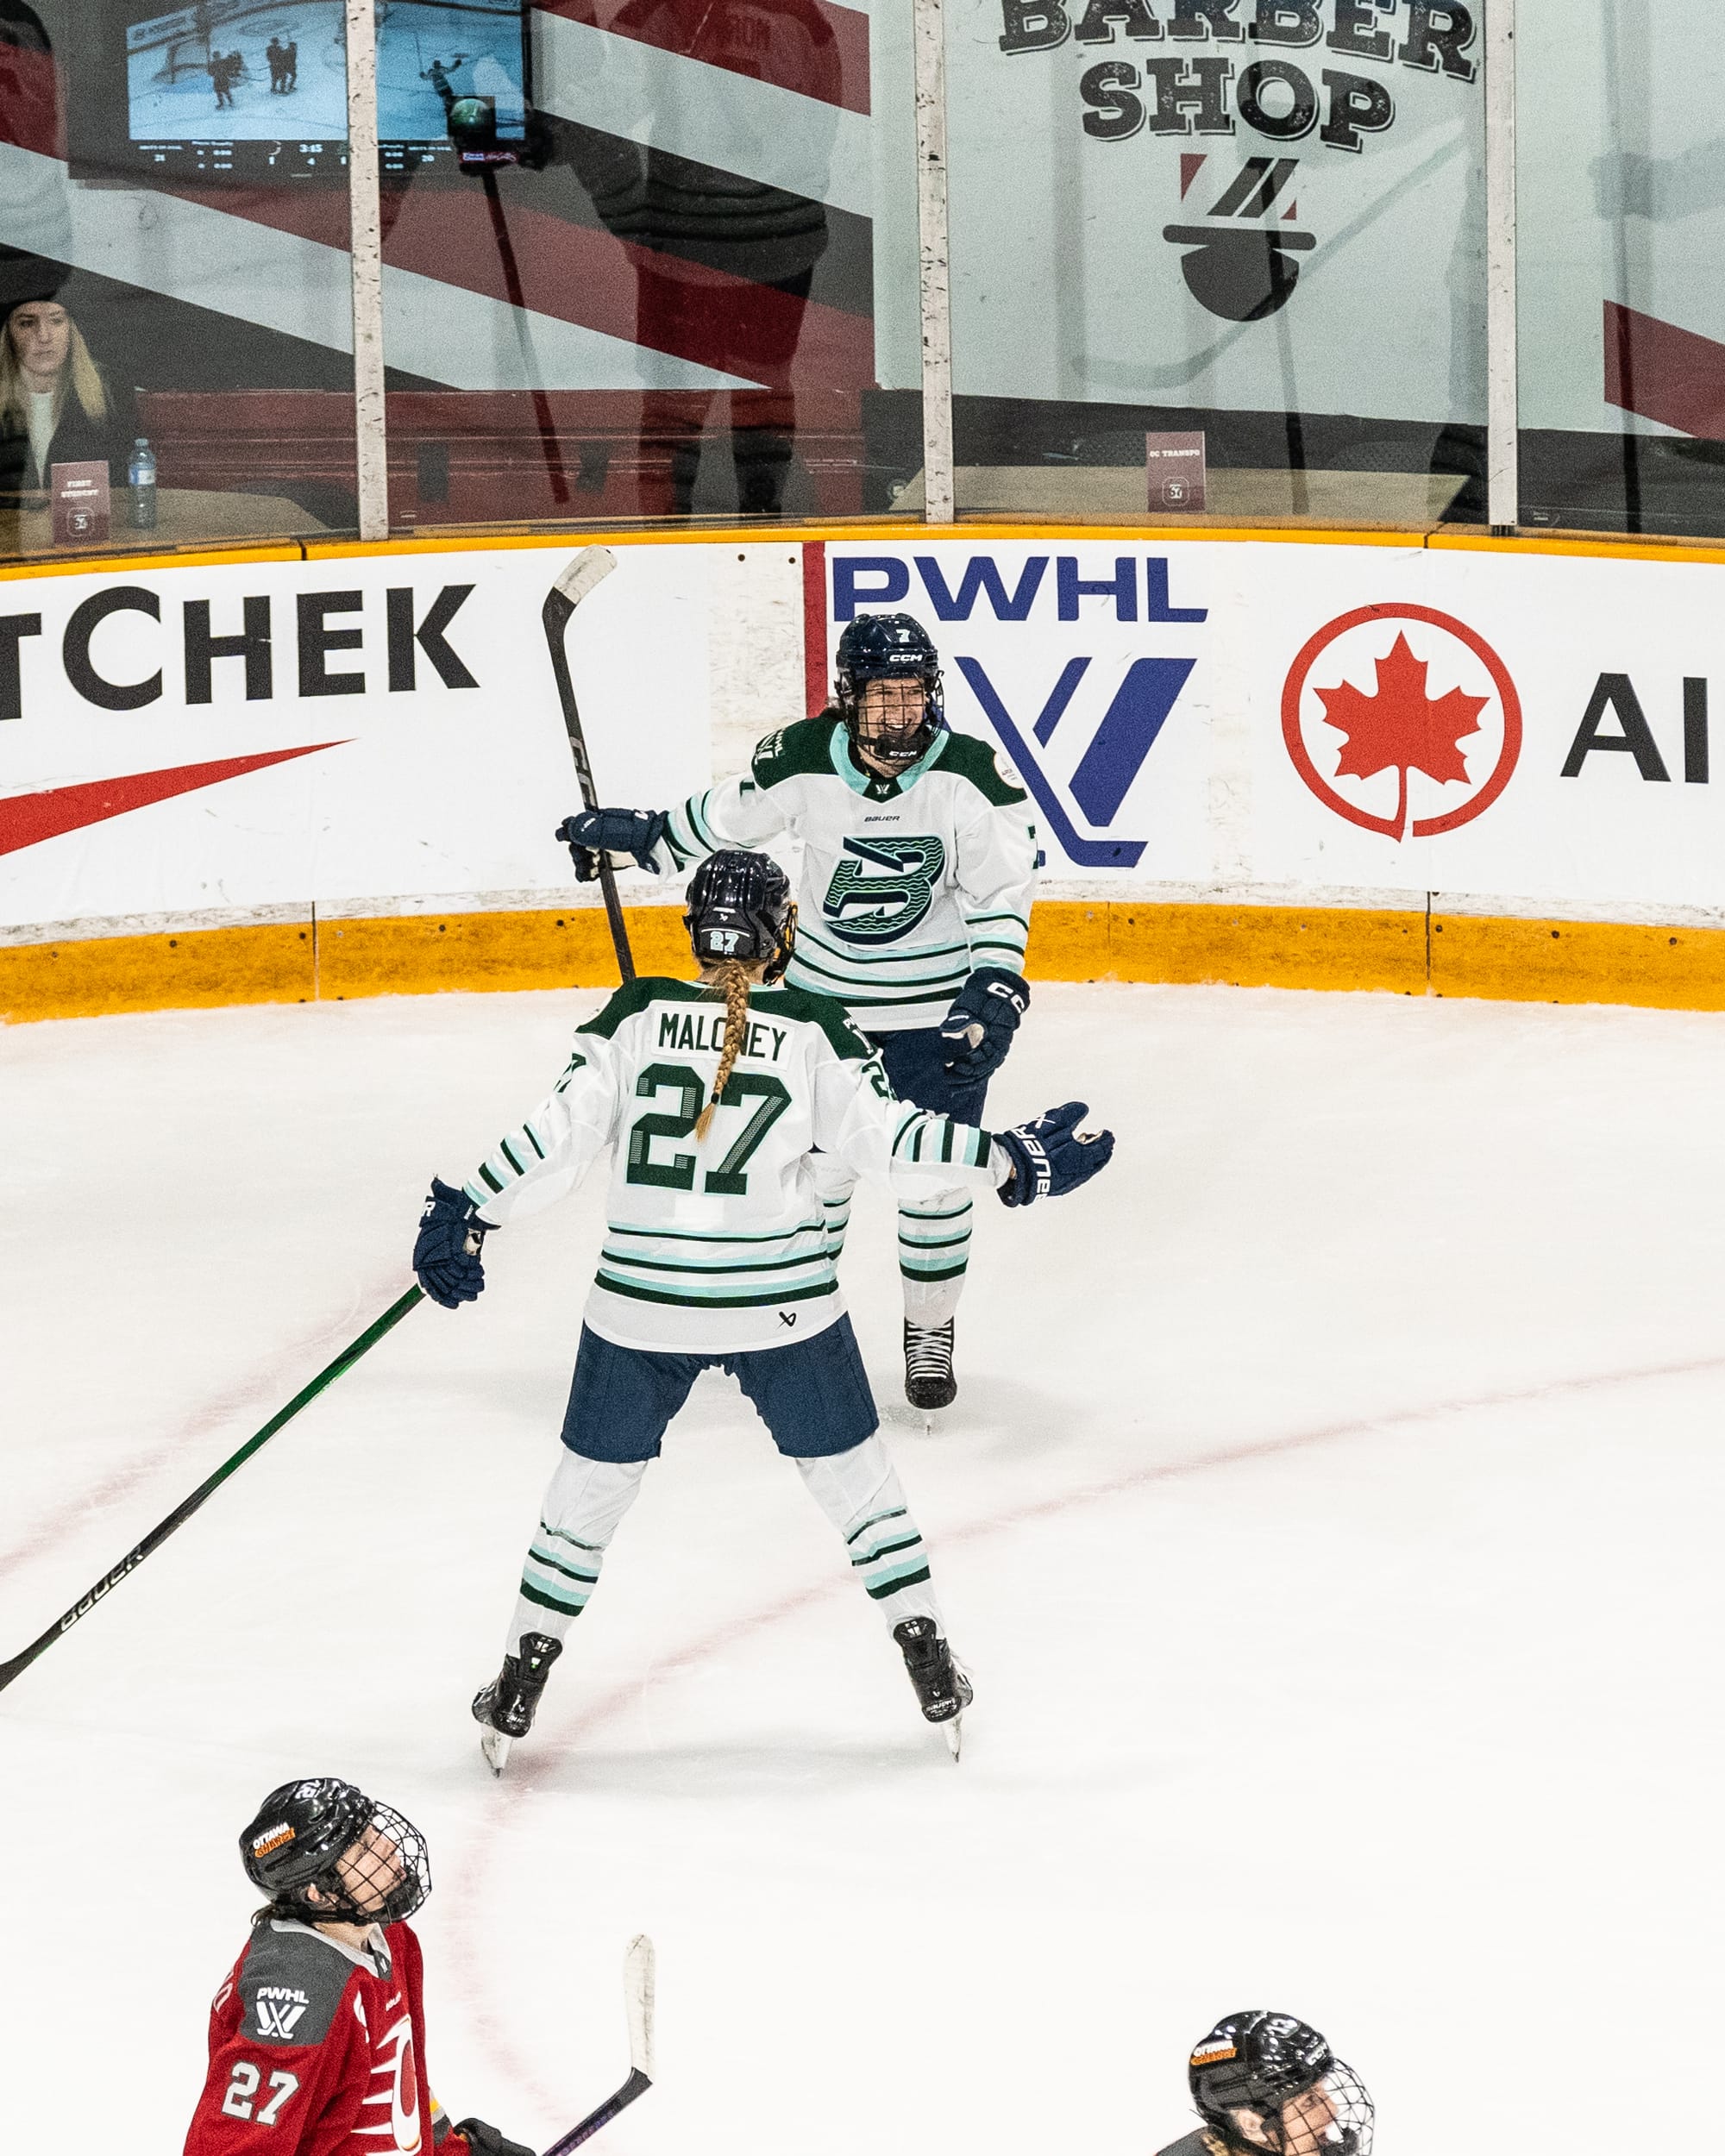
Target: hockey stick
[[638, 2004], [183, 1512], [590, 567]]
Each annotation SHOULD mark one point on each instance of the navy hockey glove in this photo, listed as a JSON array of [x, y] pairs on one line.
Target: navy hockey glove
[[446, 1257], [597, 832], [486, 2141], [978, 1030], [1048, 1156]]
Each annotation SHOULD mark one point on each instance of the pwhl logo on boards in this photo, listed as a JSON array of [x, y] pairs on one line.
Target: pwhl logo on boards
[[1079, 743], [1401, 719]]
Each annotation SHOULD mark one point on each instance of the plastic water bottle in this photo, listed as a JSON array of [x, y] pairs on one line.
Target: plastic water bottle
[[141, 472]]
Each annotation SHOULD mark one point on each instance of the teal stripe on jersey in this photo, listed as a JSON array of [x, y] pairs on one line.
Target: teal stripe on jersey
[[735, 1271], [706, 1300], [952, 978], [914, 955], [695, 1235]]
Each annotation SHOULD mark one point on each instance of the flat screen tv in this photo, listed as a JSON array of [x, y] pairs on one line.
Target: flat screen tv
[[258, 91]]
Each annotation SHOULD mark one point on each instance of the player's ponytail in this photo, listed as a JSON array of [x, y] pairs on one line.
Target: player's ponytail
[[731, 975]]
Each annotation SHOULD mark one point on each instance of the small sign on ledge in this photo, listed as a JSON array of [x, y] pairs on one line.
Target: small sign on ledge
[[81, 504], [1175, 465]]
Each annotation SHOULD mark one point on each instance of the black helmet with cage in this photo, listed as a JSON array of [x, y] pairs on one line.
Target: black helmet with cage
[[740, 907], [891, 648], [1266, 2081], [325, 1853]]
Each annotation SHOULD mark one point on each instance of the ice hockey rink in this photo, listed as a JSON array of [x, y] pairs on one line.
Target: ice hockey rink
[[1330, 1517]]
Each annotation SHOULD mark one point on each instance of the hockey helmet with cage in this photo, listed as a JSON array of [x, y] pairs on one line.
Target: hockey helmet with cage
[[740, 907], [1268, 2082], [366, 1863], [889, 647]]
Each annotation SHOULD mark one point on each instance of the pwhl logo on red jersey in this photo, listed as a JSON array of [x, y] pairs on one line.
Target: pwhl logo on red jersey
[[1401, 719]]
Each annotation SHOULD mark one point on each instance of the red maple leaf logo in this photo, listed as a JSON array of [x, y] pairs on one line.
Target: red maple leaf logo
[[1401, 729]]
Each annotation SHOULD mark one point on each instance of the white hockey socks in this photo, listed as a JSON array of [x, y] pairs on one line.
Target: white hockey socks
[[582, 1509], [934, 1252], [859, 1492]]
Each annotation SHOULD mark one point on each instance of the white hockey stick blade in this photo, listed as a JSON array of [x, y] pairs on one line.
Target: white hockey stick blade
[[955, 1739], [590, 567], [638, 1977], [495, 1746]]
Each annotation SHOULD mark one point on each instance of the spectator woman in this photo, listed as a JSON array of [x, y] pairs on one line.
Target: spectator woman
[[54, 406]]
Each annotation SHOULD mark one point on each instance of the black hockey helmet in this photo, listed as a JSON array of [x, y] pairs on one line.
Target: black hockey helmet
[[299, 1838], [740, 907], [1266, 2081], [889, 647]]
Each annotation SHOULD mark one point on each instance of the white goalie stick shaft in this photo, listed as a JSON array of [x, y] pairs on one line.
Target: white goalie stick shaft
[[637, 2005], [589, 567]]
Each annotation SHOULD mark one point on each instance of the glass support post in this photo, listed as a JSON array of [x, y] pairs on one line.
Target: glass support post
[[1503, 423], [930, 36], [365, 230]]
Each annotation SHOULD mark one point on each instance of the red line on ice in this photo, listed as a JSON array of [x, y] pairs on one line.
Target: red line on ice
[[528, 1777]]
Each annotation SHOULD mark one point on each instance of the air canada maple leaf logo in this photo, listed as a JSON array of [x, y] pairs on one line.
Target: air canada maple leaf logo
[[1393, 710]]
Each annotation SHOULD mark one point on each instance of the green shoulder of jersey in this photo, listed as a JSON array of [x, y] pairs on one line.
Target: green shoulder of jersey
[[987, 769], [795, 751], [833, 1020], [805, 749]]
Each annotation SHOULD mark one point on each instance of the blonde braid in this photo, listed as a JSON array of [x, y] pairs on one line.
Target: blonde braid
[[731, 977]]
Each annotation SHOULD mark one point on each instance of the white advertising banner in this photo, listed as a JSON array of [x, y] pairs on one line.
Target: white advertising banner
[[216, 739], [1338, 723]]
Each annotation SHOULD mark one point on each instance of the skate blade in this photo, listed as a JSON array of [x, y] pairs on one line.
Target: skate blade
[[495, 1746]]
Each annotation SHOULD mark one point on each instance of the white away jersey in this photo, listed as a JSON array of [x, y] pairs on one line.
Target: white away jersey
[[720, 1245], [908, 883]]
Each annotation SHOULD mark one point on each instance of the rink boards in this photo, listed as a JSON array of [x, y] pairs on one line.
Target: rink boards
[[1379, 761]]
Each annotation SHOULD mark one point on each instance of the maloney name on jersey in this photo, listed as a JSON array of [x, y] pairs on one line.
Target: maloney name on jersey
[[722, 1245], [909, 883]]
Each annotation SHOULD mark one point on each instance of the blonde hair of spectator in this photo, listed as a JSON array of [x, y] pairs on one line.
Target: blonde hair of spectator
[[734, 979], [80, 374]]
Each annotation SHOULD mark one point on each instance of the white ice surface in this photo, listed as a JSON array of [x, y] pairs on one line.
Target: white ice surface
[[1330, 1516]]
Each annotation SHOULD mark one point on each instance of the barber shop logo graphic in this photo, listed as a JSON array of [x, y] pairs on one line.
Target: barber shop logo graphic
[[1242, 266], [1402, 720]]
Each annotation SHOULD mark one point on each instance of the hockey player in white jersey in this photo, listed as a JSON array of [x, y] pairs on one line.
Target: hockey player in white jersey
[[716, 1096], [919, 866]]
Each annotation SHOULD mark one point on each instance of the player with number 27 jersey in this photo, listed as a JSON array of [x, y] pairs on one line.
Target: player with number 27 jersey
[[317, 2049]]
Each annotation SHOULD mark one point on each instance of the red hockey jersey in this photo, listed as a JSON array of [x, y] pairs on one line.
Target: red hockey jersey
[[318, 2050]]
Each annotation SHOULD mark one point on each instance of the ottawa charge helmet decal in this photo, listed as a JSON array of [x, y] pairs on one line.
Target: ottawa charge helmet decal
[[325, 1853]]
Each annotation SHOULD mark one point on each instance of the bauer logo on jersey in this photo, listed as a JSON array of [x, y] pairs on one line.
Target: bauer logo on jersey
[[884, 888], [275, 1838]]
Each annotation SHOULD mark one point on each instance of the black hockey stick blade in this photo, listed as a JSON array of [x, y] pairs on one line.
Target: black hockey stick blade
[[589, 567], [183, 1512], [638, 1978]]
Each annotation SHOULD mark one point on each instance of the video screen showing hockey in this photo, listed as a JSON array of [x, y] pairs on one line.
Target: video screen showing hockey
[[203, 80]]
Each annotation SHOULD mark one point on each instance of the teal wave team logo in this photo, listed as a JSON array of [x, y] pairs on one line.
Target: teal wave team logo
[[882, 889]]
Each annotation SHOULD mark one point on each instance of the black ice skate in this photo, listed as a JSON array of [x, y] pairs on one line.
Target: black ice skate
[[505, 1707], [929, 1382], [943, 1689]]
